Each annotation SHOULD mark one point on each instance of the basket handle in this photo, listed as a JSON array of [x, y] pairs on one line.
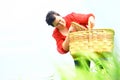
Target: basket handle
[[78, 27]]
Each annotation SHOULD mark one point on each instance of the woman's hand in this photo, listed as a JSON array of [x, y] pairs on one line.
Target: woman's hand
[[91, 22], [71, 29]]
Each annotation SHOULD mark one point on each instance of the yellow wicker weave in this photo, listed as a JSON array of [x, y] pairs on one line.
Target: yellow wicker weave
[[96, 40]]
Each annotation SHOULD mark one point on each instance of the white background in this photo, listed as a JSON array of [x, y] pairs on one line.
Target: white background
[[27, 50]]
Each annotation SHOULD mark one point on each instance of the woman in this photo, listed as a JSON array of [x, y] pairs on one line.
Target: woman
[[63, 27]]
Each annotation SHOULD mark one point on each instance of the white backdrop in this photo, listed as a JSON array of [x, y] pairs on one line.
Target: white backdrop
[[27, 50]]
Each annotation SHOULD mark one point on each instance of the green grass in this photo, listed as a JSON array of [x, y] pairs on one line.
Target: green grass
[[109, 62]]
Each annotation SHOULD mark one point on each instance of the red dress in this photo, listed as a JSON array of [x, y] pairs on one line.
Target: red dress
[[76, 17]]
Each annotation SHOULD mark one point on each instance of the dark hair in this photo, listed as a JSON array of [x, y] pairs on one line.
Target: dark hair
[[50, 17]]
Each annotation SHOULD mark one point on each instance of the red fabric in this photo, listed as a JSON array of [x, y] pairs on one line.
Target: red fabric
[[76, 17]]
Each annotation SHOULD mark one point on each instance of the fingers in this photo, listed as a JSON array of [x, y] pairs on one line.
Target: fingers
[[71, 29]]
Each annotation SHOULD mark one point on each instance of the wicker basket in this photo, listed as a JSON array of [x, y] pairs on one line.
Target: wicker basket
[[96, 40]]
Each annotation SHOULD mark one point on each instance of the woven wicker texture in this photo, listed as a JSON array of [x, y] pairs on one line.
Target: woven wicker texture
[[96, 40]]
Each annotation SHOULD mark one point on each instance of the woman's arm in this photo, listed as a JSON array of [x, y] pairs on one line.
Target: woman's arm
[[84, 19], [65, 44], [61, 42]]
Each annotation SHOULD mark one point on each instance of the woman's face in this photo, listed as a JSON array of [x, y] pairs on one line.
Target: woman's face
[[59, 22]]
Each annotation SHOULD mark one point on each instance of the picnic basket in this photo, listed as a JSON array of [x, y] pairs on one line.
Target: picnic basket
[[95, 40]]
